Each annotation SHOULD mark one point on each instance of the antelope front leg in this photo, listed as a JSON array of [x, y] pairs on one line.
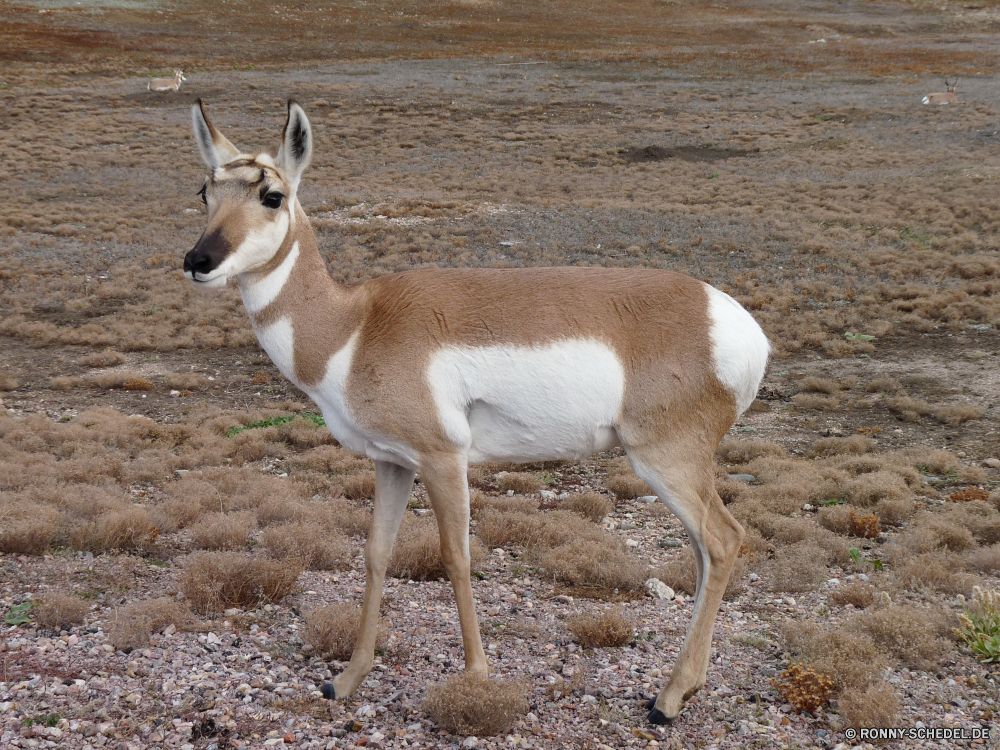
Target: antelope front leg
[[392, 490], [448, 489]]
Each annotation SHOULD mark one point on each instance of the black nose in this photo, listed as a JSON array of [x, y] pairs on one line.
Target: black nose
[[198, 261]]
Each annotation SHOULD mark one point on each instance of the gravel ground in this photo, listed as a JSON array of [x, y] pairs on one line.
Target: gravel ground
[[244, 681]]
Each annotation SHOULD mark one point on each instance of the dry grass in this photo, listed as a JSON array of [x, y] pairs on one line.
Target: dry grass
[[359, 486], [131, 626], [128, 529], [417, 552], [838, 446], [518, 482], [229, 531], [739, 452], [216, 581], [606, 629], [185, 381], [332, 631], [322, 549], [875, 705], [27, 528], [850, 658], [58, 610], [591, 505], [908, 635], [799, 567], [107, 358], [856, 593], [470, 704], [625, 487]]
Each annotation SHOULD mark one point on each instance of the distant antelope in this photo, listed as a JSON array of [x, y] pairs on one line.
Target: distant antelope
[[166, 84], [948, 97], [429, 371]]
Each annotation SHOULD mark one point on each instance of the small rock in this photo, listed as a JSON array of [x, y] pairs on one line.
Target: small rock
[[748, 478], [423, 511], [649, 499], [631, 543], [807, 506], [658, 589], [992, 463], [289, 737], [547, 495], [564, 599], [833, 582], [664, 543], [471, 741]]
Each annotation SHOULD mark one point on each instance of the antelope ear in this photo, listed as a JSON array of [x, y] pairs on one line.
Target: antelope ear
[[296, 147], [215, 149]]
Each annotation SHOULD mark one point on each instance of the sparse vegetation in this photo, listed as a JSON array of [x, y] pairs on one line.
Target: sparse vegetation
[[605, 629], [331, 631], [469, 703], [215, 581], [59, 610]]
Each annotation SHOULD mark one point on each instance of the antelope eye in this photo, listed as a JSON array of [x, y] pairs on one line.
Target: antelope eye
[[202, 194], [273, 200]]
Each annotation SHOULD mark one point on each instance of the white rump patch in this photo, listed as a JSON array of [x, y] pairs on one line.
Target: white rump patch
[[560, 401], [740, 349], [259, 294]]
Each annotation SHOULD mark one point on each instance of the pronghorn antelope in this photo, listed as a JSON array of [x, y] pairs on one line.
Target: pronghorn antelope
[[945, 97], [428, 371], [167, 84]]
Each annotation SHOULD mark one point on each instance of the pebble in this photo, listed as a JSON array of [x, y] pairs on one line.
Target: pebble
[[748, 478], [648, 499], [667, 542], [658, 589], [992, 463]]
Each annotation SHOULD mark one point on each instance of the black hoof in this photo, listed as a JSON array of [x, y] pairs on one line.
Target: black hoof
[[328, 692], [651, 703], [656, 716]]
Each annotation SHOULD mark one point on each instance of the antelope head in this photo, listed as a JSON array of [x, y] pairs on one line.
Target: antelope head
[[251, 200]]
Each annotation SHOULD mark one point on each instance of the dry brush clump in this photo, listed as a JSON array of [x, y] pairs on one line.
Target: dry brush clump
[[132, 625], [417, 552], [606, 629], [803, 688], [591, 505], [223, 531], [681, 573], [473, 704], [59, 610], [332, 631], [518, 482], [27, 528], [216, 581], [873, 705], [320, 548]]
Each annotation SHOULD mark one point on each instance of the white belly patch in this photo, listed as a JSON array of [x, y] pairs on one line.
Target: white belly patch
[[559, 401]]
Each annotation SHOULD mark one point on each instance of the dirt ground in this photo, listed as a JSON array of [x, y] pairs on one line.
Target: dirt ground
[[778, 150]]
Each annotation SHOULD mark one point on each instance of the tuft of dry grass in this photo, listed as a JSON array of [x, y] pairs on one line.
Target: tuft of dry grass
[[984, 560], [591, 505], [185, 381], [626, 487], [472, 704], [332, 631], [216, 581], [739, 452], [606, 629], [129, 529], [217, 531], [518, 482], [107, 358], [856, 593], [9, 383], [322, 549], [131, 626], [911, 636], [417, 552], [681, 573], [814, 384], [874, 705], [599, 565], [850, 658], [839, 446], [956, 414], [798, 567], [27, 528], [359, 486], [58, 610]]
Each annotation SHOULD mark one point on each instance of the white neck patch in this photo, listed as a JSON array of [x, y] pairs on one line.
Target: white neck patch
[[259, 293]]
